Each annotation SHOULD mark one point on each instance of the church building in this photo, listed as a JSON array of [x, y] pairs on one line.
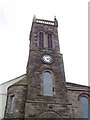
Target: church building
[[43, 91]]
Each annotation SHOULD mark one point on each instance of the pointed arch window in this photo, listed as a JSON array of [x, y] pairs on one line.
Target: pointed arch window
[[41, 40], [49, 40], [47, 84]]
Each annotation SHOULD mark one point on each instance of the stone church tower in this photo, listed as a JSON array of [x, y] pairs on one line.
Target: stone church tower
[[43, 91], [46, 92]]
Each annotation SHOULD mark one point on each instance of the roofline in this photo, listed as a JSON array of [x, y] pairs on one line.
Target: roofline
[[13, 79], [77, 85]]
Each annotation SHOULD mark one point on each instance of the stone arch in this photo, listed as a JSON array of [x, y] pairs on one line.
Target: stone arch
[[49, 114], [84, 95]]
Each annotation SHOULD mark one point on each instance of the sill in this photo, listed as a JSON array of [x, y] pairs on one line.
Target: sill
[[47, 95]]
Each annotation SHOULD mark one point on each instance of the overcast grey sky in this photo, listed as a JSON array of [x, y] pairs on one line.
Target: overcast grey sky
[[15, 24]]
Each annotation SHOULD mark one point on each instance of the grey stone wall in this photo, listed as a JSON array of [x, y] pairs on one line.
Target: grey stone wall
[[20, 93], [35, 108], [74, 94], [76, 105], [35, 70]]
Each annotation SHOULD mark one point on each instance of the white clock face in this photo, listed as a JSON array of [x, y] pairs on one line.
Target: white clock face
[[47, 58]]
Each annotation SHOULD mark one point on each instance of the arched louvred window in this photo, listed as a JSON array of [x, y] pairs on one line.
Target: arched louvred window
[[85, 104], [49, 40], [41, 40], [47, 84]]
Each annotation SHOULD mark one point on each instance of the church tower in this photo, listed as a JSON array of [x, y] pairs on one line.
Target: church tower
[[43, 92], [46, 92]]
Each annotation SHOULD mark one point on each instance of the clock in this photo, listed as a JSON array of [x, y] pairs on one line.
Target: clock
[[47, 59]]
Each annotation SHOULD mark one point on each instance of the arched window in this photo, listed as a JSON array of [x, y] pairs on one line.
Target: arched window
[[41, 40], [49, 41], [47, 83], [85, 107], [12, 102]]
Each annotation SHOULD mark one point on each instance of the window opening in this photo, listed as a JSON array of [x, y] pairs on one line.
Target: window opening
[[85, 107], [47, 84], [49, 41], [41, 40], [12, 102]]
